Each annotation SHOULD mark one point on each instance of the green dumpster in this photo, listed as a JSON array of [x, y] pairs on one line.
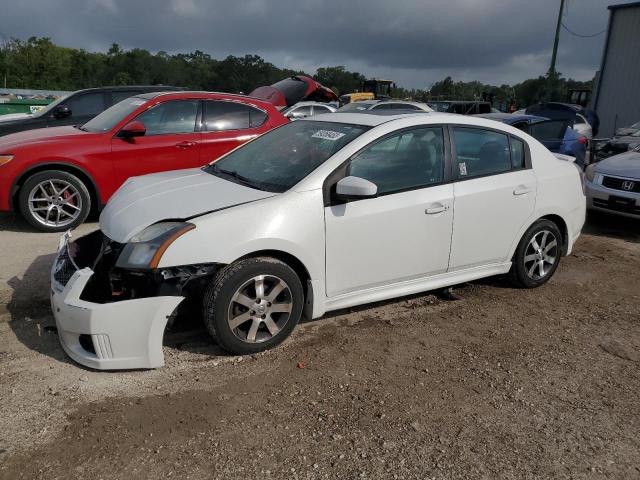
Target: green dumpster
[[30, 105]]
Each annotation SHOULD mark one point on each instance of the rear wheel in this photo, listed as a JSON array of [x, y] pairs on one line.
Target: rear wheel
[[54, 201], [253, 305], [537, 256]]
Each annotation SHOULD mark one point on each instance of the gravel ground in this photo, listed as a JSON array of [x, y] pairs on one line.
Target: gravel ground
[[503, 383]]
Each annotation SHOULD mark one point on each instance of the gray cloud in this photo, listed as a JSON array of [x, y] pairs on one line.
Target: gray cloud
[[415, 42]]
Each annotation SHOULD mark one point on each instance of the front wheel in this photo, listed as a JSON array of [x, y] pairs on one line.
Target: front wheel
[[537, 256], [54, 201], [253, 305]]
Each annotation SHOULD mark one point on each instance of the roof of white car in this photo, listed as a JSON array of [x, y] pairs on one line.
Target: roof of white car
[[373, 120]]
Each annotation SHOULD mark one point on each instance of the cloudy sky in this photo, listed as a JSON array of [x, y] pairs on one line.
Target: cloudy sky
[[415, 42]]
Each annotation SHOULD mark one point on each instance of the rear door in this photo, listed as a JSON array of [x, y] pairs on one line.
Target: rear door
[[171, 141], [227, 124], [495, 192]]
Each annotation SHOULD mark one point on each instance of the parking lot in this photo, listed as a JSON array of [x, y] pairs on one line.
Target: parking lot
[[503, 383]]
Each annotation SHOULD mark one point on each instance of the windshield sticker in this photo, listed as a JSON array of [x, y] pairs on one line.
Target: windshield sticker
[[463, 168], [328, 135]]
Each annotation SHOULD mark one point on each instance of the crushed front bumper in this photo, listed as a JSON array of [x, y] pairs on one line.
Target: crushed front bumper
[[106, 336]]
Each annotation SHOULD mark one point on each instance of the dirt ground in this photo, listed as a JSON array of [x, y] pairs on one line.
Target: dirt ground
[[504, 383]]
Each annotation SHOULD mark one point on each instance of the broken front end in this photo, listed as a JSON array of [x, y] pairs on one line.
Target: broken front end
[[112, 303]]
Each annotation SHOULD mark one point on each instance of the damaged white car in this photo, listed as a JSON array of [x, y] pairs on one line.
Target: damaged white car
[[317, 215]]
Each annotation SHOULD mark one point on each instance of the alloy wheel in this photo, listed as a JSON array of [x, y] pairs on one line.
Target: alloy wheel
[[541, 254], [260, 308], [55, 203]]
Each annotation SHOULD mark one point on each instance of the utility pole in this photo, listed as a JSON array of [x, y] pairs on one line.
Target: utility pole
[[551, 74]]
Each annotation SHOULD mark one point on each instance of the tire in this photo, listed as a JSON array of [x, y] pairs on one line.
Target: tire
[[241, 318], [526, 264], [41, 206]]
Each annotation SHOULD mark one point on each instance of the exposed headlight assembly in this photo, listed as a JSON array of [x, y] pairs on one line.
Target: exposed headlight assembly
[[145, 249]]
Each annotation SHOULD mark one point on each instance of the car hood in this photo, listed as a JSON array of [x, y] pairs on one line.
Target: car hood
[[624, 165], [43, 134], [179, 194]]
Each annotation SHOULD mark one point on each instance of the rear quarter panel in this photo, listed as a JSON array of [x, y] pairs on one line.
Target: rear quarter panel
[[559, 191]]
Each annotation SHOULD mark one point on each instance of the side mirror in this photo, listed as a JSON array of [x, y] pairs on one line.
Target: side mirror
[[132, 129], [61, 111], [355, 188]]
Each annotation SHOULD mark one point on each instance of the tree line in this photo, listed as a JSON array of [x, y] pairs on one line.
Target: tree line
[[37, 63]]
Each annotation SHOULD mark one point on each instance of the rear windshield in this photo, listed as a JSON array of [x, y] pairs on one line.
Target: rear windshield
[[113, 115]]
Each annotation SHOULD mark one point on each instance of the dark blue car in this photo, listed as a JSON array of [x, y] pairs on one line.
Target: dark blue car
[[556, 135]]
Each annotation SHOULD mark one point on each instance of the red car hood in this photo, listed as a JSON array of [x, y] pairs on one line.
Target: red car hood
[[42, 135]]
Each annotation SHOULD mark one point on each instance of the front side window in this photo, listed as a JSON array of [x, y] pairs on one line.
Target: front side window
[[480, 152], [221, 115], [279, 159], [86, 104], [175, 116], [406, 160]]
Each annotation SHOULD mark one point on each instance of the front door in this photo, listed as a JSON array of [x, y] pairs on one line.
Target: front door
[[405, 232], [495, 196], [170, 142]]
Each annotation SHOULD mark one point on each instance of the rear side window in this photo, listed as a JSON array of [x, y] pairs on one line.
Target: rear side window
[[86, 104], [480, 152], [407, 160], [221, 115], [517, 153]]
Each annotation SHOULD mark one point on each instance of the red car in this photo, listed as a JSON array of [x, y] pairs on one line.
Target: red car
[[289, 91], [55, 176]]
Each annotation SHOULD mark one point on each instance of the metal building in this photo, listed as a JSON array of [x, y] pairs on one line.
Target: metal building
[[617, 95]]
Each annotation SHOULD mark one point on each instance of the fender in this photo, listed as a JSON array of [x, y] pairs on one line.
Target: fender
[[533, 219], [53, 164]]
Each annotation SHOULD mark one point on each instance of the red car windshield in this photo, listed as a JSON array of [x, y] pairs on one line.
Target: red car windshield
[[113, 115]]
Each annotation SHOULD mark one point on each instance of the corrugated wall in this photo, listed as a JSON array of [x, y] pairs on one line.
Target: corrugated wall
[[618, 102]]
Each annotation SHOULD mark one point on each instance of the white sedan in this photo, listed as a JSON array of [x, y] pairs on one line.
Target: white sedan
[[317, 215]]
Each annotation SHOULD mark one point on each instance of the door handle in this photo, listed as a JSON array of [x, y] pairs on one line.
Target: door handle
[[436, 208], [521, 190], [185, 144]]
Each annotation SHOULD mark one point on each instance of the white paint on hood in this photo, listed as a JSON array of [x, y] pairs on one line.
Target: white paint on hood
[[143, 201]]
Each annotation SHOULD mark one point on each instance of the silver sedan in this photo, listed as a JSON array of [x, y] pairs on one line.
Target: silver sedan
[[613, 185]]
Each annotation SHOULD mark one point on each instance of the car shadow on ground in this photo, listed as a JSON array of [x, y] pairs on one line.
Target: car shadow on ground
[[10, 222], [31, 318], [604, 225]]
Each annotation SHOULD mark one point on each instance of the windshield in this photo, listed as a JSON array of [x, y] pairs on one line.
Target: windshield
[[111, 116], [279, 159], [50, 107]]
